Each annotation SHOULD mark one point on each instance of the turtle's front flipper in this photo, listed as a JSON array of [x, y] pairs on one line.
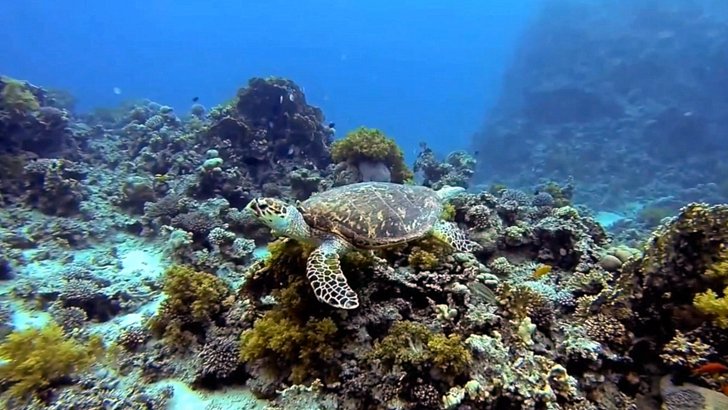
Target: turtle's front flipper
[[448, 232], [326, 278]]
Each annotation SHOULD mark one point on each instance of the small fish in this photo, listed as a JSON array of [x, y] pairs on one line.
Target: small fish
[[332, 125], [711, 368], [161, 178], [291, 97], [116, 90], [541, 271], [280, 101], [476, 153], [195, 99]]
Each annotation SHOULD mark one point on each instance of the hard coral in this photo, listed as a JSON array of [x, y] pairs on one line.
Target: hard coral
[[219, 358], [719, 269], [456, 170], [16, 98], [36, 358], [679, 255], [422, 260], [716, 307], [427, 254], [53, 186], [371, 145]]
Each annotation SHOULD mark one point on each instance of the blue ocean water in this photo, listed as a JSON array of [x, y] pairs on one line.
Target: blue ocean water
[[419, 70]]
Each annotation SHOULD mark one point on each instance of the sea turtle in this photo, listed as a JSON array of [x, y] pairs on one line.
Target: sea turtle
[[366, 215]]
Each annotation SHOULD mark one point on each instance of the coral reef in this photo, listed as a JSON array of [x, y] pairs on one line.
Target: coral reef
[[131, 232], [456, 170], [30, 122], [588, 96]]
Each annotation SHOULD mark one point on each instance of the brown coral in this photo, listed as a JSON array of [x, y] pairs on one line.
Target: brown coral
[[371, 145]]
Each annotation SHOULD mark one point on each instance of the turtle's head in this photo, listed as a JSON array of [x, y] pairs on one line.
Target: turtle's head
[[449, 192], [283, 219]]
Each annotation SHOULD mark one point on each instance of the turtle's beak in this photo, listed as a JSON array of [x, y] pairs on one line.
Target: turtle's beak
[[252, 209]]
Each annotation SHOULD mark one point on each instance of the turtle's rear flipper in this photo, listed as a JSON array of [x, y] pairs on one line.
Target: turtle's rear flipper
[[448, 232], [326, 278]]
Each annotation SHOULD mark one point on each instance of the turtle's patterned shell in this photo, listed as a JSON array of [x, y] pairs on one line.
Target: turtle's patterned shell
[[374, 214]]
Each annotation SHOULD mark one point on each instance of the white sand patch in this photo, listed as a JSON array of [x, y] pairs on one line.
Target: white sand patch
[[187, 399], [607, 219], [141, 263], [23, 319]]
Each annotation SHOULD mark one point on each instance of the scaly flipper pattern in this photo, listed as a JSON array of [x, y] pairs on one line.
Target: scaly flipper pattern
[[326, 278], [449, 233]]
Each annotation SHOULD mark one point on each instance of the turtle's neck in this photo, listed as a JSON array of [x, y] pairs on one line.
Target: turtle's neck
[[297, 228]]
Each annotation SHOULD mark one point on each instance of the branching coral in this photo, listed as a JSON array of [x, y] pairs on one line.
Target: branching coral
[[686, 351], [371, 145], [427, 254], [36, 358], [719, 269], [716, 307], [421, 259]]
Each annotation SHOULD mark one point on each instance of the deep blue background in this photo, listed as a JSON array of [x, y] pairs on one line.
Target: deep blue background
[[418, 69]]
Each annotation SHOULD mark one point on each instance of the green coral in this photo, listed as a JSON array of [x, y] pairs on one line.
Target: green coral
[[368, 144], [192, 298], [710, 304], [413, 344], [34, 359], [16, 97]]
